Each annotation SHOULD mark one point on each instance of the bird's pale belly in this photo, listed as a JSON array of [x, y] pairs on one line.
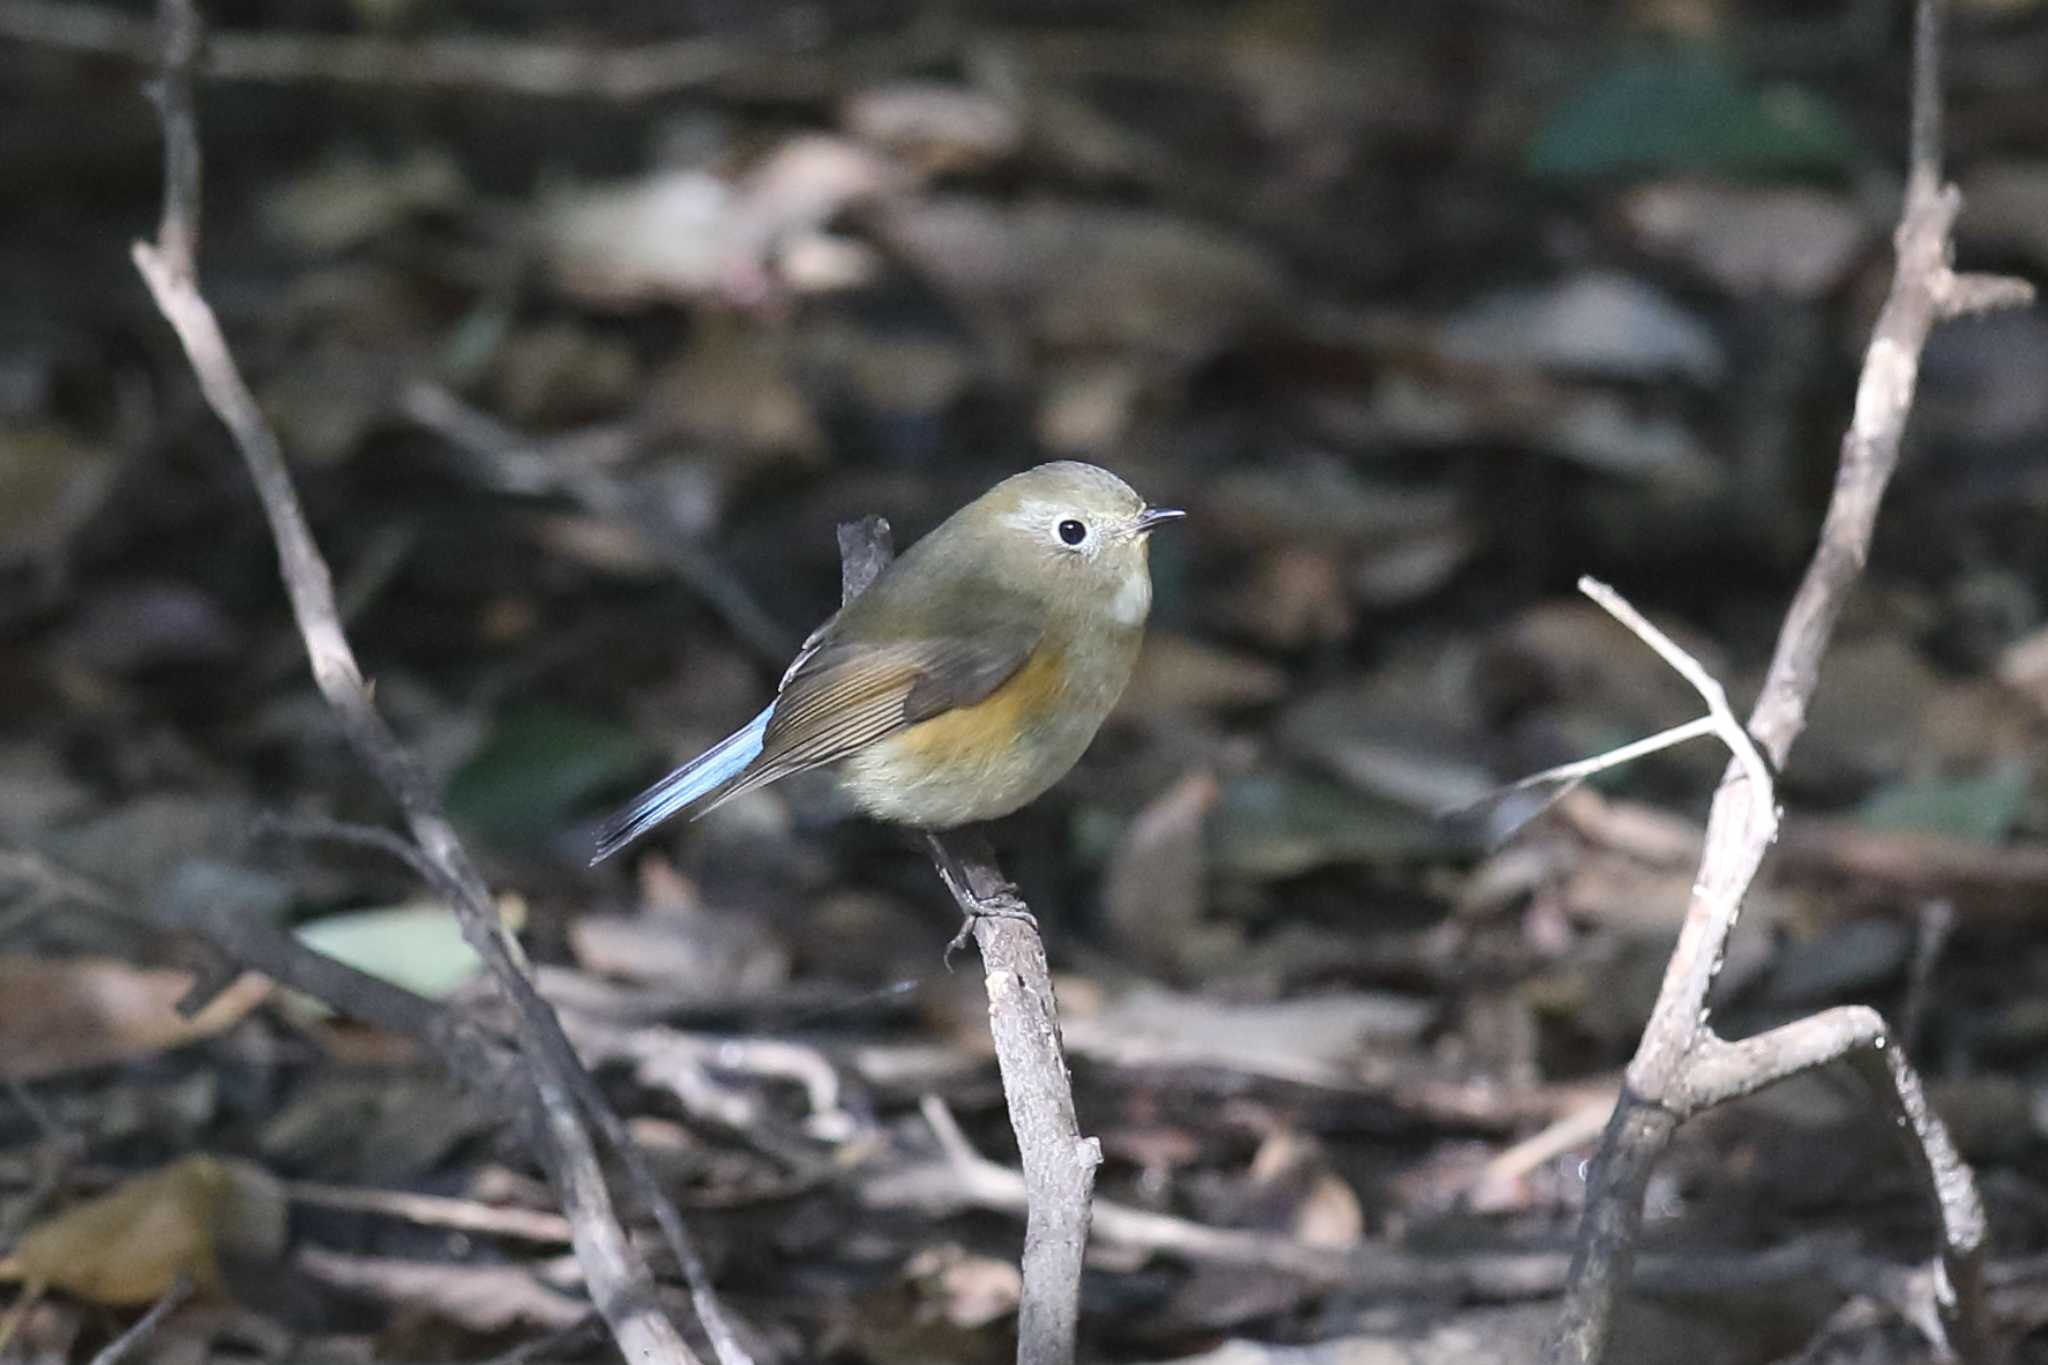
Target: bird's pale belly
[[983, 761]]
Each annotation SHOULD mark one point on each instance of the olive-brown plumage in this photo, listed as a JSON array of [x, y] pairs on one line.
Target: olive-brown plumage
[[968, 678]]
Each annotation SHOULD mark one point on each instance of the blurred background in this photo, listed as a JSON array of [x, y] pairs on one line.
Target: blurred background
[[1422, 311]]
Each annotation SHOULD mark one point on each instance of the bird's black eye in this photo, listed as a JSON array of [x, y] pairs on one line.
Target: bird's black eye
[[1073, 532]]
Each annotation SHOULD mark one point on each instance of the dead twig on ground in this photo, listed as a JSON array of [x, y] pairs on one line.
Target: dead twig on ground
[[1681, 1066], [563, 1092], [1059, 1164]]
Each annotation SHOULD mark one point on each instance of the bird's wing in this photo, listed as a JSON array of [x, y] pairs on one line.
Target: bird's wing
[[844, 695]]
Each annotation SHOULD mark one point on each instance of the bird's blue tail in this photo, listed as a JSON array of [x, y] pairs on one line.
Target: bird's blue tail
[[690, 783]]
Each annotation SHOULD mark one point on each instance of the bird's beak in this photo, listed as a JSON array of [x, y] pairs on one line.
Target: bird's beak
[[1152, 518]]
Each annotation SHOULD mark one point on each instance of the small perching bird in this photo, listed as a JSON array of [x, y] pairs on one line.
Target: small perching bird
[[967, 679]]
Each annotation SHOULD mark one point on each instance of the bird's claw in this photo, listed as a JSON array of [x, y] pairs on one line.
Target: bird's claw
[[1001, 903]]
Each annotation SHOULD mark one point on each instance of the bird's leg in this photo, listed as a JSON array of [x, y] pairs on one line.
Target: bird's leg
[[977, 885]]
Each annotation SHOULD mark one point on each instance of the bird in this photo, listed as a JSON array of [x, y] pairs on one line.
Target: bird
[[969, 677]]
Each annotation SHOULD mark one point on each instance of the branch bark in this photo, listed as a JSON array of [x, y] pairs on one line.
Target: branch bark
[[1059, 1164], [556, 1084], [1681, 1066]]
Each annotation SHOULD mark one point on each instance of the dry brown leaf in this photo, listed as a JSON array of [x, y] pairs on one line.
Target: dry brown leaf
[[67, 1014], [967, 1290], [1317, 1207], [131, 1244], [687, 234]]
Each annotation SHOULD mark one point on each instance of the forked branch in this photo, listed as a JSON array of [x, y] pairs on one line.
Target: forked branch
[[1681, 1066]]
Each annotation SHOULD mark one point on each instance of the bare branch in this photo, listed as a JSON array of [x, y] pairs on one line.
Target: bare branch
[[1059, 1164], [1571, 774], [1680, 1066], [620, 1281]]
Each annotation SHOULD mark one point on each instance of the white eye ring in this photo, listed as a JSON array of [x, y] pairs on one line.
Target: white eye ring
[[1073, 533]]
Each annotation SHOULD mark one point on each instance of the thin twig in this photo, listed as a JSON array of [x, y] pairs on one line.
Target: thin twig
[[434, 1210], [1681, 1066], [1577, 771], [621, 1283], [1059, 1164], [132, 1340], [1711, 692], [1934, 924], [312, 829]]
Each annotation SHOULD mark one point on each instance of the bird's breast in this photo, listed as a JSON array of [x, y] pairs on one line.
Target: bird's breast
[[982, 761]]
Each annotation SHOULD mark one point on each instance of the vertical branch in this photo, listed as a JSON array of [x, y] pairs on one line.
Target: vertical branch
[[1059, 1164], [1923, 138]]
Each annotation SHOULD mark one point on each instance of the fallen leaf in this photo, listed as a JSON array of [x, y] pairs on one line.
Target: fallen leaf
[[965, 1289], [418, 946], [67, 1014], [1790, 240], [1686, 108], [131, 1244], [1317, 1207], [688, 234], [1597, 322]]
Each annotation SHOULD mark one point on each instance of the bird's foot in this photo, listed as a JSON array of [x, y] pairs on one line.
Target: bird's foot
[[1001, 903], [979, 898]]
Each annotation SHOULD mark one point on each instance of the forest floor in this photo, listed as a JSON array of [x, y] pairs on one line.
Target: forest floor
[[1421, 311]]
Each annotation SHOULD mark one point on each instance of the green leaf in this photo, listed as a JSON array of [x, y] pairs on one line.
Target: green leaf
[[1686, 109], [539, 764], [418, 946], [1983, 808]]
